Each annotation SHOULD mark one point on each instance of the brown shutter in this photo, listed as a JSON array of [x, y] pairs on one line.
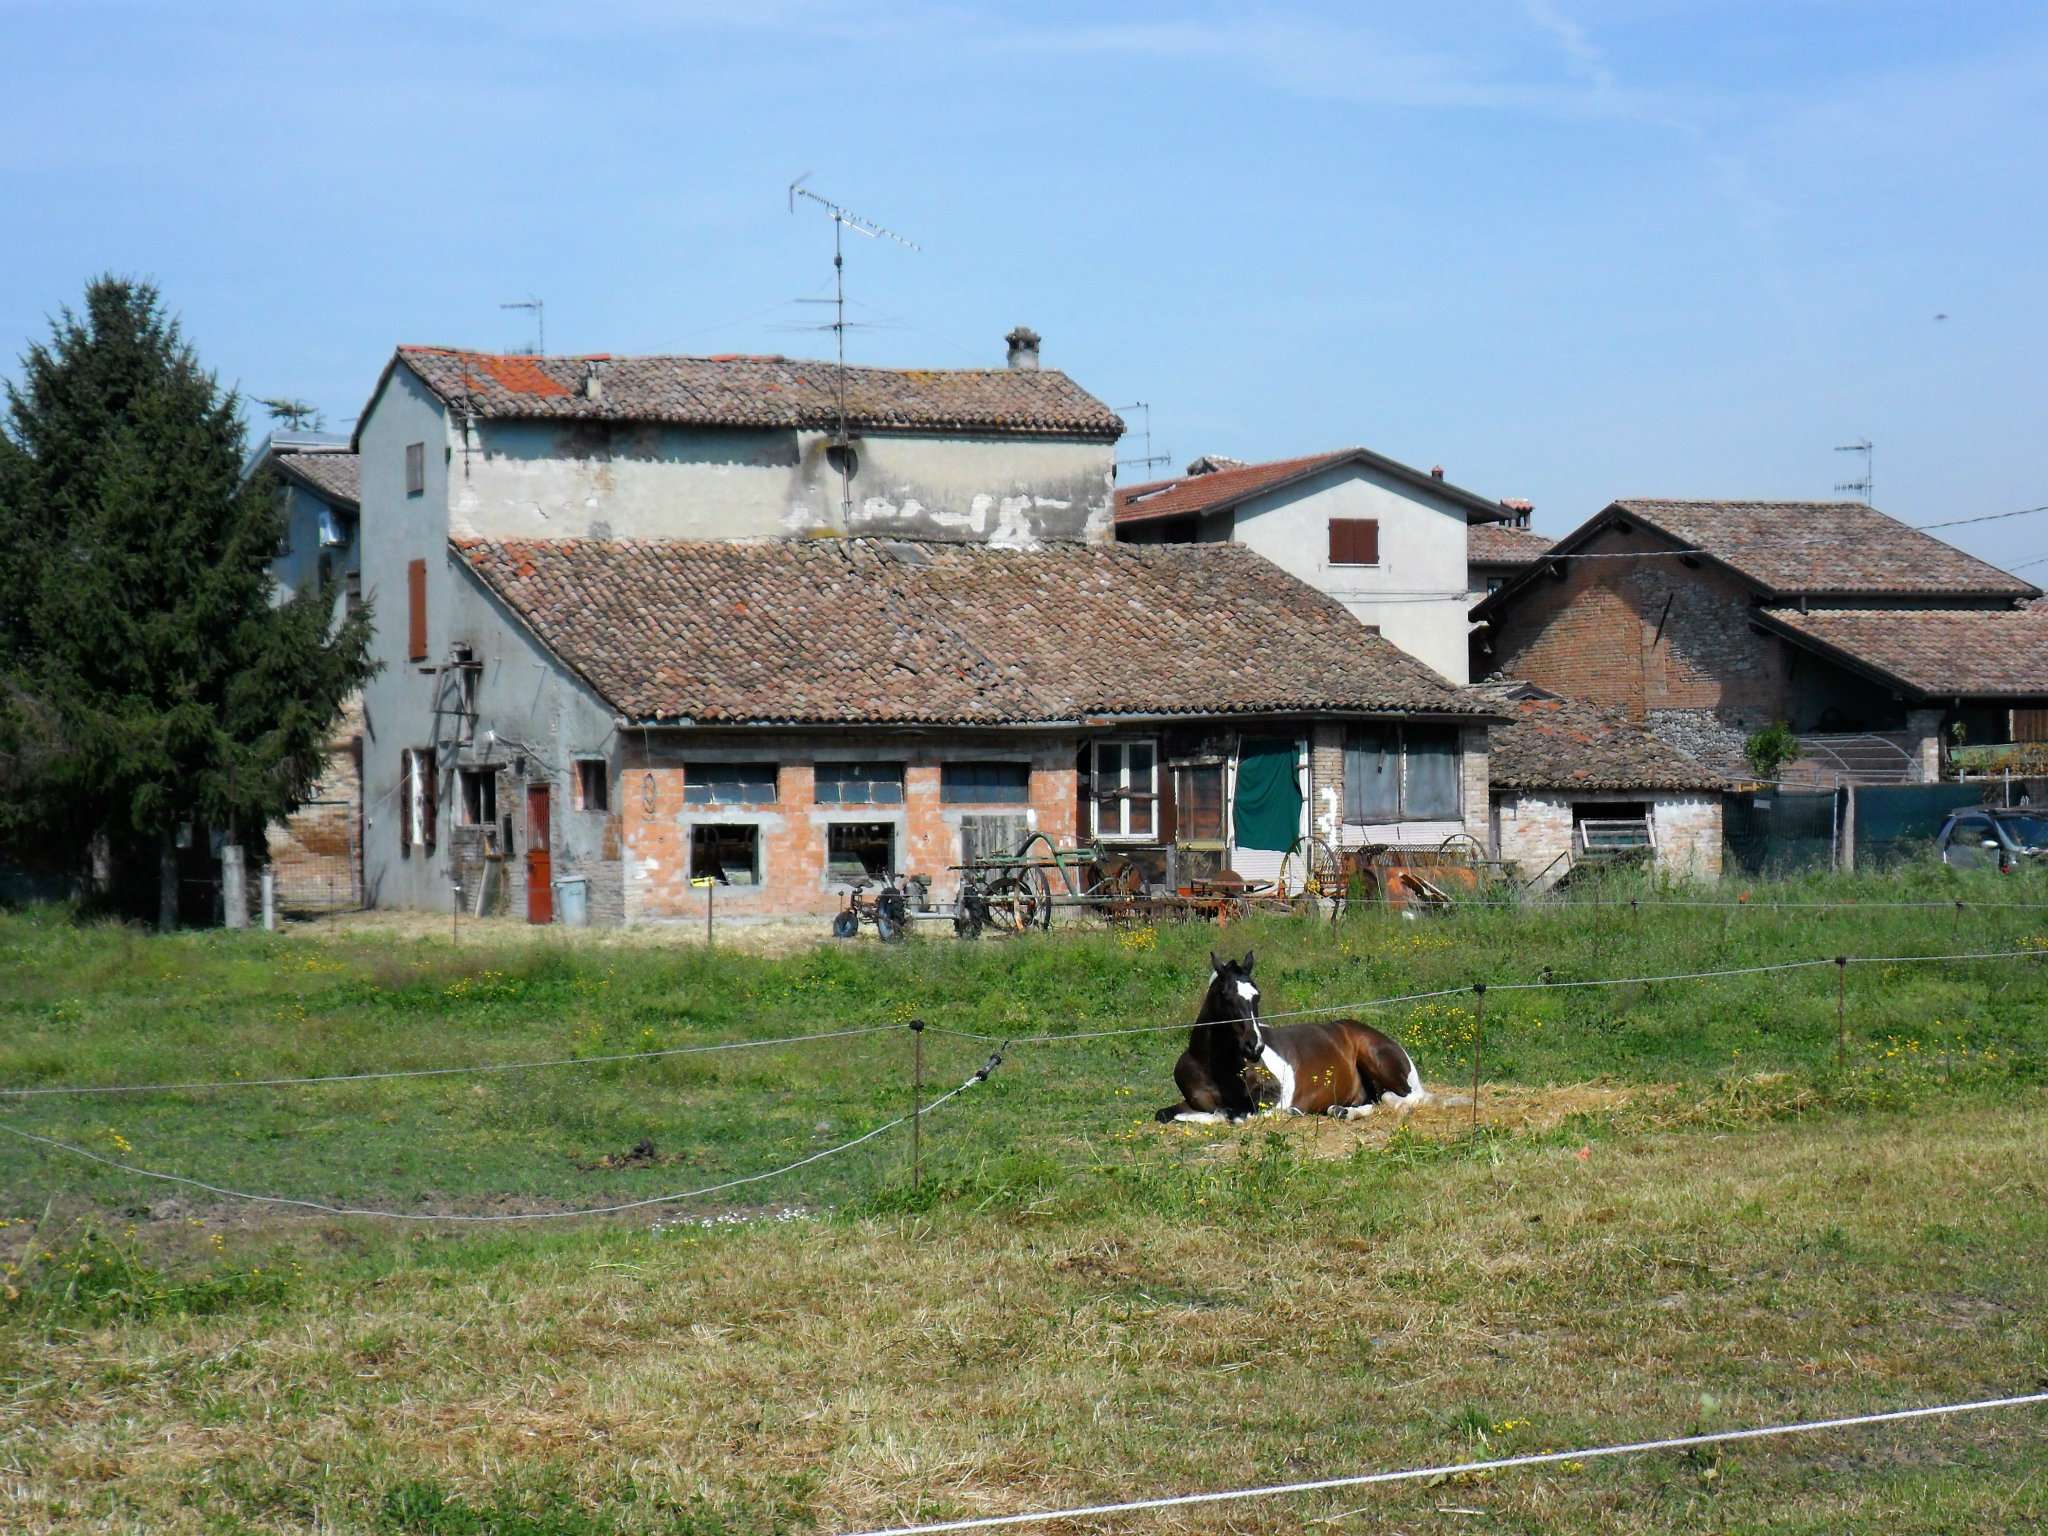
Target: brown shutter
[[428, 791], [405, 803], [1164, 829], [416, 592], [1340, 541], [1366, 541]]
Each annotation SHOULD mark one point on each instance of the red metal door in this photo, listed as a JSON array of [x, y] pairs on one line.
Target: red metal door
[[540, 859]]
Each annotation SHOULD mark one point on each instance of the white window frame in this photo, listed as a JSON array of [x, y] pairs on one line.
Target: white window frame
[[1121, 746]]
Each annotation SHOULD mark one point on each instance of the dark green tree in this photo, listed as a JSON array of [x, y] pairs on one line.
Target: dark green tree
[[150, 678]]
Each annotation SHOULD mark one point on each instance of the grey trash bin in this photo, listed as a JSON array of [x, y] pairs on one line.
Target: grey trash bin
[[572, 901]]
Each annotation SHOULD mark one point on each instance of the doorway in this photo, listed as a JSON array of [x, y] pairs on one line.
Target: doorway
[[540, 859]]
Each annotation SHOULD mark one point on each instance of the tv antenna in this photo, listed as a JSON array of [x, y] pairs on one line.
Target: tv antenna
[[540, 322], [1860, 486], [1150, 458], [843, 219]]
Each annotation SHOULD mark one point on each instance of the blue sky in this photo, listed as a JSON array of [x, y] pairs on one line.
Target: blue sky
[[1569, 249]]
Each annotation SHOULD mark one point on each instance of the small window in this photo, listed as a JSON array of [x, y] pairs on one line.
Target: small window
[[479, 796], [415, 469], [1125, 789], [860, 784], [989, 783], [1354, 541], [857, 848], [1198, 803], [593, 784], [352, 592], [1401, 773], [729, 855], [729, 784]]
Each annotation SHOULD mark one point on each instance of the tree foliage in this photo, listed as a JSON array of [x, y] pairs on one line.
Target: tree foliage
[[151, 678], [1771, 749]]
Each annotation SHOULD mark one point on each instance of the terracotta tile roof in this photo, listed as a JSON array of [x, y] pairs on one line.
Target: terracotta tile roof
[[867, 630], [767, 392], [335, 476], [1188, 495], [1553, 743], [1936, 652], [1823, 547], [1498, 544]]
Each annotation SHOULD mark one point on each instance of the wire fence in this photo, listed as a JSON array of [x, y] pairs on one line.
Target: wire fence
[[1478, 990]]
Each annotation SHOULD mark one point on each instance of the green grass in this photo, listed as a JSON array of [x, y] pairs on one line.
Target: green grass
[[1678, 1211]]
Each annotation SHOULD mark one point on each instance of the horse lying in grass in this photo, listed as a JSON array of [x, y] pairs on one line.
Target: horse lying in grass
[[1341, 1068]]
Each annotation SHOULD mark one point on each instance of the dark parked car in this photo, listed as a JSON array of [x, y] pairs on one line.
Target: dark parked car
[[1989, 838]]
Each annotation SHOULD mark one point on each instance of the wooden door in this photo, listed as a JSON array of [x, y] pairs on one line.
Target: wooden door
[[540, 859]]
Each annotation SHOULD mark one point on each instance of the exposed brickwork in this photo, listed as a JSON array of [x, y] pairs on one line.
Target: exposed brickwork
[[316, 856]]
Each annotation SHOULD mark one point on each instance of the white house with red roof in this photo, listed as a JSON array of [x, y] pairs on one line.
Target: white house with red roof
[[1386, 540]]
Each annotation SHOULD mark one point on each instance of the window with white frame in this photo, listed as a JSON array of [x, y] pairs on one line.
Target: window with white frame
[[1124, 788]]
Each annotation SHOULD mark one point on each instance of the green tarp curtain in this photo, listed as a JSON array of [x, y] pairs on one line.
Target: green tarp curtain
[[1268, 806]]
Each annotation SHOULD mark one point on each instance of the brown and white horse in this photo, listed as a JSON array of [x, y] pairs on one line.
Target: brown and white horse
[[1341, 1068]]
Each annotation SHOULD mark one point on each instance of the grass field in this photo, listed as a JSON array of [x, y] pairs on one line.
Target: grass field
[[1678, 1212]]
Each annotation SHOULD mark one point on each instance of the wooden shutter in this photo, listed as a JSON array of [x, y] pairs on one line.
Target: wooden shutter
[[405, 771], [416, 595], [1354, 541], [430, 779]]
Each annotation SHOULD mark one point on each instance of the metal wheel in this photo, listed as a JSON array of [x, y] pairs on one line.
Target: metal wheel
[[970, 912], [892, 915], [1310, 871], [845, 923], [1463, 845], [1021, 901]]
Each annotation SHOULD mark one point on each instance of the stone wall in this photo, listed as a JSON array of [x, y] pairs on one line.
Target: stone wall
[[316, 855], [1536, 827]]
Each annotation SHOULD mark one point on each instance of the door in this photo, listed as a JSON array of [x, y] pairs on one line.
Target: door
[[540, 860]]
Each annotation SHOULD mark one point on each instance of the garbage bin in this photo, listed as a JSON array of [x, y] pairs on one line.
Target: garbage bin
[[572, 901]]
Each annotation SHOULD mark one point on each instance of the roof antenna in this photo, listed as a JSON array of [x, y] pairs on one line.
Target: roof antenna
[[843, 219], [1150, 458], [540, 322], [1860, 486]]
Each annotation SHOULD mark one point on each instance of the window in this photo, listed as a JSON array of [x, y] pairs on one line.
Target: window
[[1125, 789], [479, 789], [1494, 584], [1401, 773], [1354, 541], [729, 784], [857, 848], [860, 784], [593, 784], [352, 592], [1198, 803], [729, 855], [417, 778], [415, 469], [416, 605], [990, 783]]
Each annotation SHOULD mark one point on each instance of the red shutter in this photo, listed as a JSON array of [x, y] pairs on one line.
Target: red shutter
[[1354, 541], [1340, 541], [416, 592], [431, 773], [1367, 541]]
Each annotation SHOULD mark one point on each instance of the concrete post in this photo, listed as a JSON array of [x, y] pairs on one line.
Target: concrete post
[[234, 886], [1925, 725], [268, 883], [1845, 859]]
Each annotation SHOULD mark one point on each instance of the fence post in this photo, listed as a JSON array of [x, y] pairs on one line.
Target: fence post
[[1957, 930], [268, 883], [1478, 1040], [917, 1104], [1841, 1012]]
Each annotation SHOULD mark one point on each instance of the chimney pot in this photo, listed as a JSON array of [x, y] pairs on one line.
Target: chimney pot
[[593, 380], [1023, 349], [1436, 471]]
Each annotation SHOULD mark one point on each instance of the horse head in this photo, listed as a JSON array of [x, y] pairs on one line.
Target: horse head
[[1234, 1000]]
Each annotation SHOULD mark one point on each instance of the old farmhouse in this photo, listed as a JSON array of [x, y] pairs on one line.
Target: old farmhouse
[[651, 621], [1705, 621], [1386, 540]]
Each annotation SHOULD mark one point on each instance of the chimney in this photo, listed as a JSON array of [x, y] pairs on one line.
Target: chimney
[[1521, 508], [593, 380], [1436, 471], [1023, 349]]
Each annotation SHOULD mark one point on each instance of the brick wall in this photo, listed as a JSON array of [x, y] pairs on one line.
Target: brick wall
[[793, 832], [316, 855]]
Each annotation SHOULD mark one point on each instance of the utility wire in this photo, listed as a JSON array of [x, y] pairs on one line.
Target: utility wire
[[1495, 1464], [1991, 517], [324, 1209]]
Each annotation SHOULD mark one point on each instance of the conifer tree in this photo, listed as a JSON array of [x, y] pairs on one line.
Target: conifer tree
[[150, 679]]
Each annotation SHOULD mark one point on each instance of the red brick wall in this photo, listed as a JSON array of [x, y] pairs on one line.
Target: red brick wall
[[316, 854], [793, 832]]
